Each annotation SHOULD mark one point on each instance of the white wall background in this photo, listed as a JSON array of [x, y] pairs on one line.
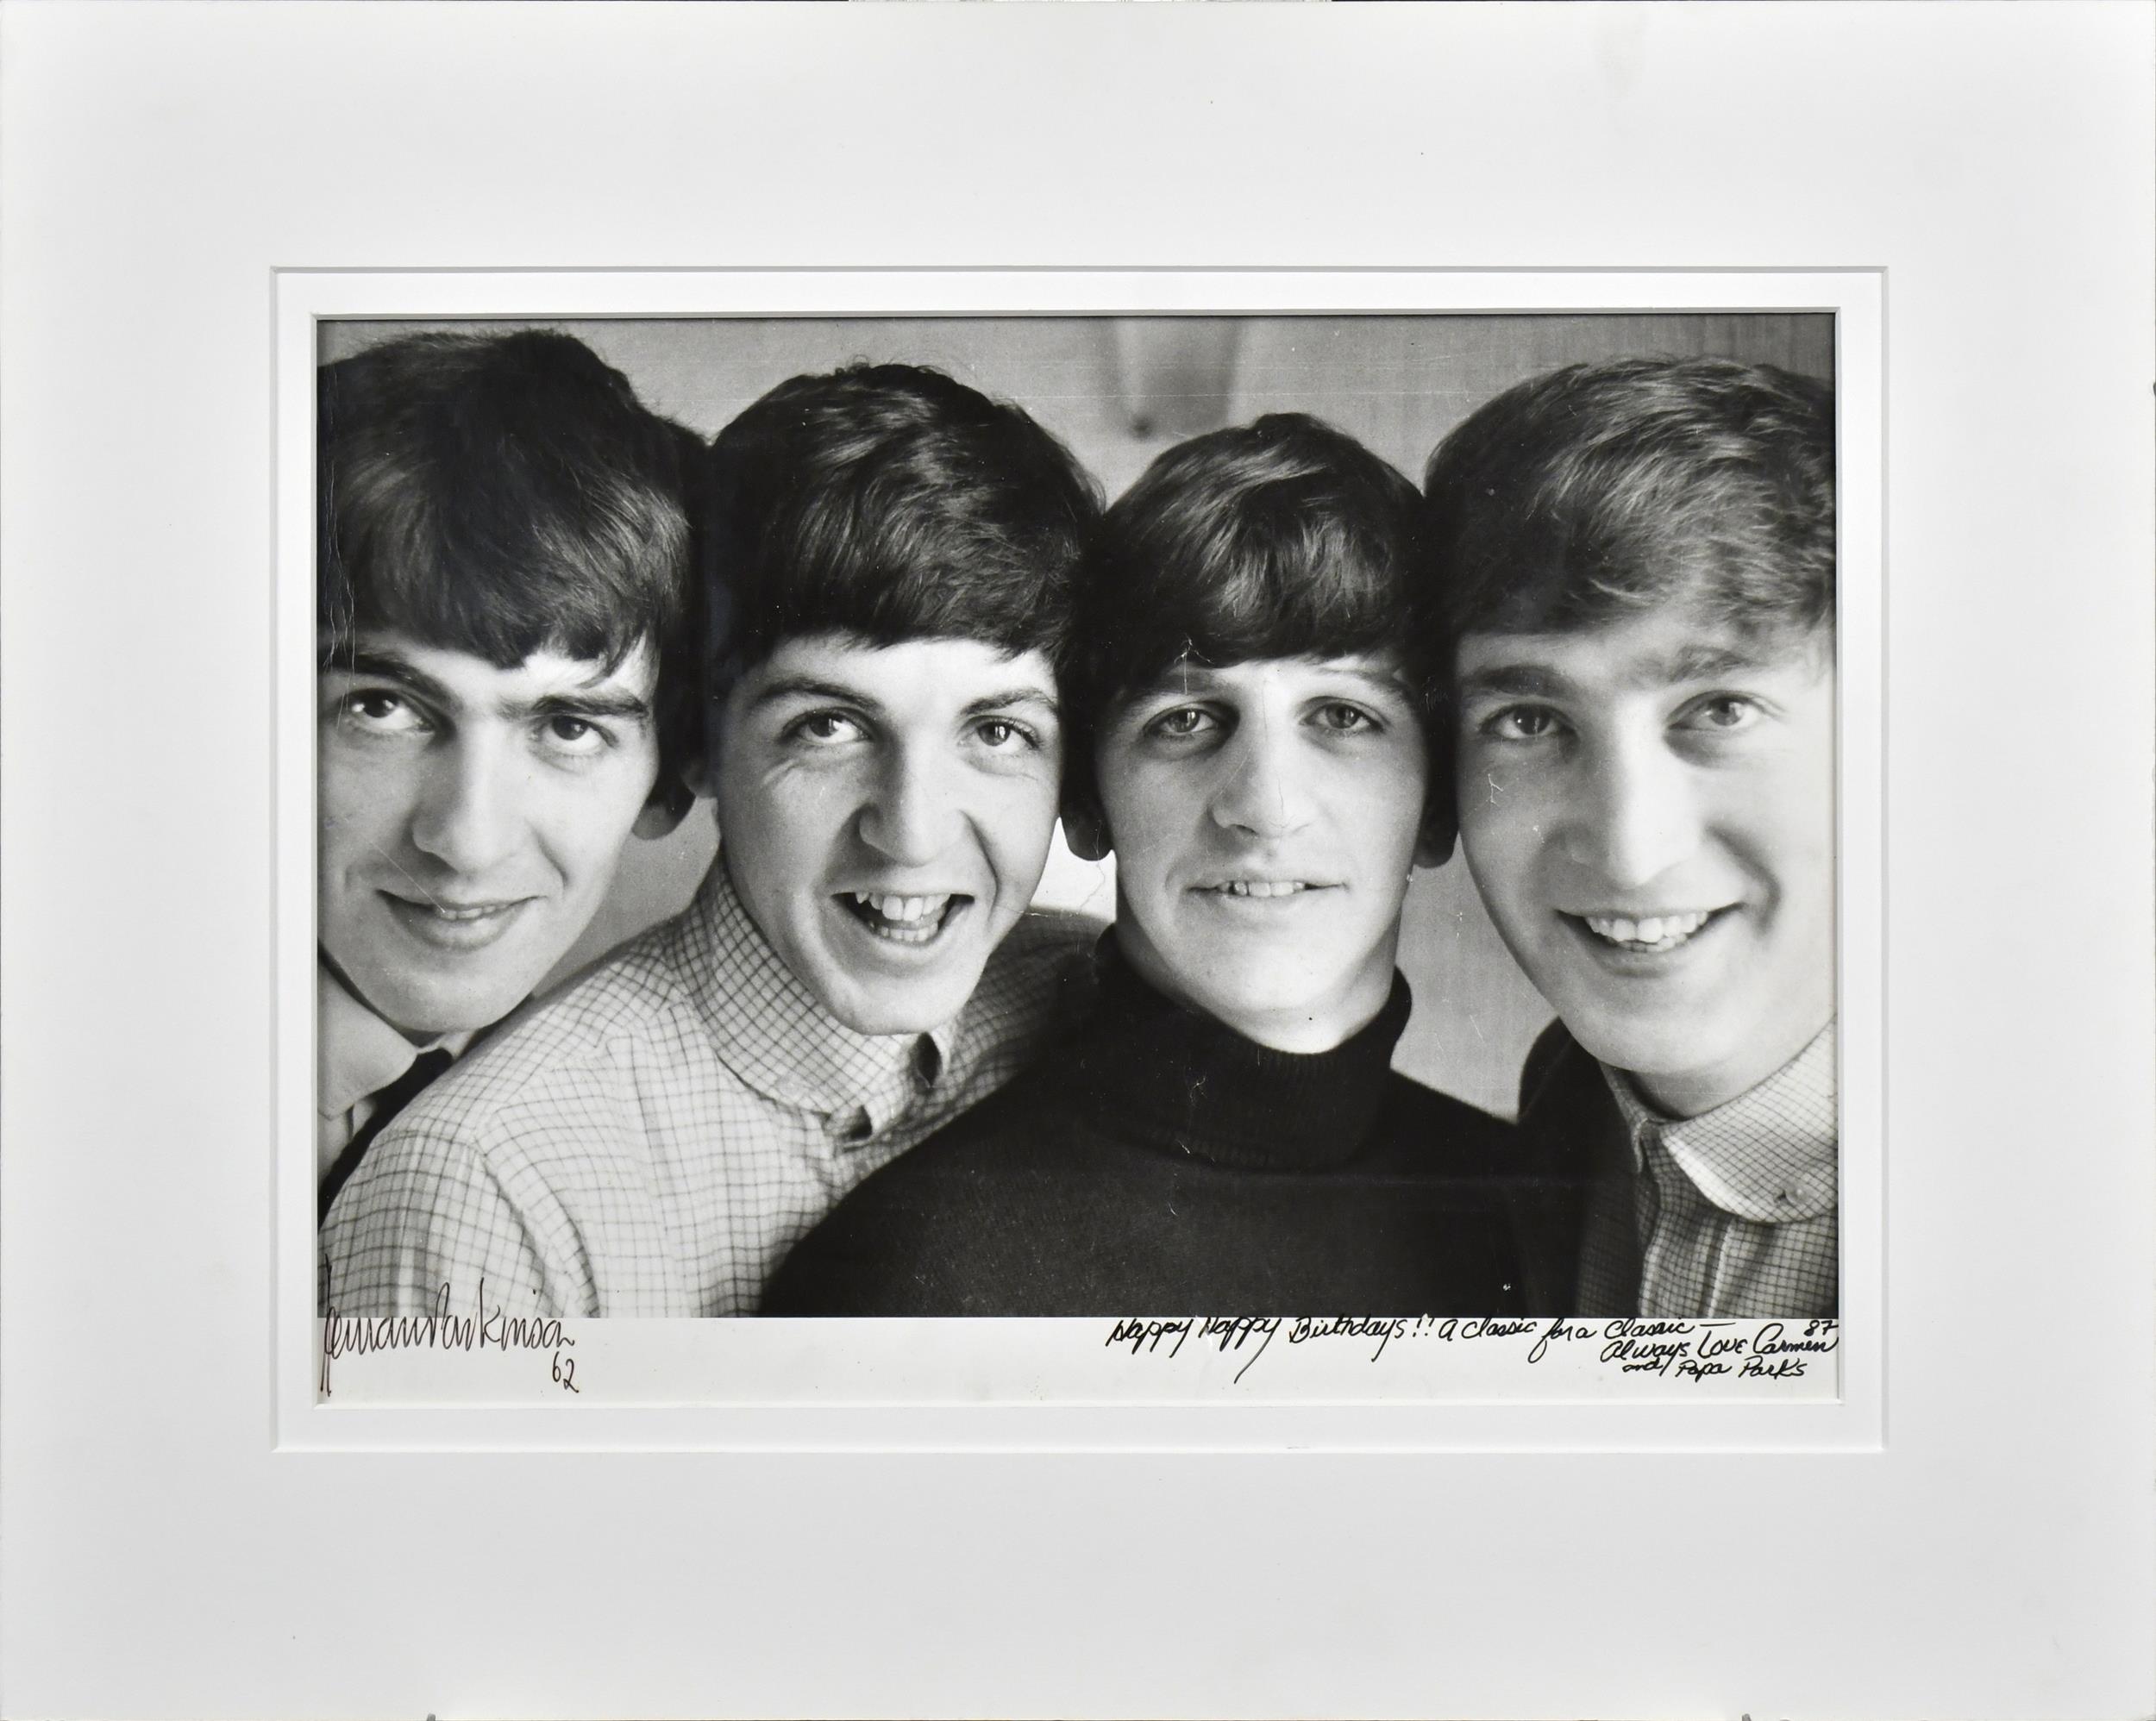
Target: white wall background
[[1118, 391]]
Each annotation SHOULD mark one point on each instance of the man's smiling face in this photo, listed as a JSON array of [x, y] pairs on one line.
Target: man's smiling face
[[1648, 809], [1264, 817], [472, 818], [885, 812]]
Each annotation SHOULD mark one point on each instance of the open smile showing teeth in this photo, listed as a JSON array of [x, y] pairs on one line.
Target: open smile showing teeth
[[456, 926], [903, 920], [1649, 932], [1258, 887]]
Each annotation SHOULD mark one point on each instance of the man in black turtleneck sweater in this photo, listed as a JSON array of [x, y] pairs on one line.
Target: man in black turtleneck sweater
[[1165, 1163], [1226, 1135]]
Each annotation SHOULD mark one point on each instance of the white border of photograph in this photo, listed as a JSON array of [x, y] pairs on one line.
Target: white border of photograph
[[997, 1384]]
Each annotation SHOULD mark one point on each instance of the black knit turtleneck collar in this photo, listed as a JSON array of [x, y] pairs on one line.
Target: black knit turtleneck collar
[[1168, 1077]]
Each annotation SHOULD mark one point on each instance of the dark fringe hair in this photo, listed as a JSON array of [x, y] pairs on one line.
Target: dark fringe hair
[[1602, 490], [1280, 539], [501, 495], [1283, 538], [891, 503]]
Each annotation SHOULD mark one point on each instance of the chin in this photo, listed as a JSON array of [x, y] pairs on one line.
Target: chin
[[1660, 1052], [1263, 994], [437, 1016], [916, 1011]]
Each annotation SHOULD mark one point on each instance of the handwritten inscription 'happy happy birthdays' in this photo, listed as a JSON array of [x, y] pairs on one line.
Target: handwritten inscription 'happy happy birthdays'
[[1678, 1349]]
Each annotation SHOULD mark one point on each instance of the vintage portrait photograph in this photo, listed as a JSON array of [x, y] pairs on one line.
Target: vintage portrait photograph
[[1077, 860], [1156, 819]]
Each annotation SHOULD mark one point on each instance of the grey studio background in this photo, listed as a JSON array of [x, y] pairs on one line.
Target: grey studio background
[[1118, 391]]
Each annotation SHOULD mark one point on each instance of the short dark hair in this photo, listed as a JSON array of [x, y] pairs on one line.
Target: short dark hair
[[501, 495], [891, 503], [1604, 489], [1283, 538]]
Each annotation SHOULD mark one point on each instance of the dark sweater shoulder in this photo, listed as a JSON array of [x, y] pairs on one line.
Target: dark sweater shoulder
[[1450, 1136], [1555, 1063], [1025, 1205], [906, 1240], [1566, 1109]]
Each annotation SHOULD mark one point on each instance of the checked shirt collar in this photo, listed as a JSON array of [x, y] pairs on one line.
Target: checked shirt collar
[[772, 1032], [1769, 1155], [356, 1053]]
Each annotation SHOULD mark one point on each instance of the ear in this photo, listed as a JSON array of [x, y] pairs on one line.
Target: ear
[[671, 799], [1441, 800], [1440, 825], [1085, 832]]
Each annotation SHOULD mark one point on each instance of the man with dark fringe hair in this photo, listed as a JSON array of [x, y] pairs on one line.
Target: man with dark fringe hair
[[506, 633], [1226, 1133], [889, 558], [1635, 594]]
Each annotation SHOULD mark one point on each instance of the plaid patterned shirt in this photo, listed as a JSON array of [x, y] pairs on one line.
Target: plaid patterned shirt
[[1735, 1212], [652, 1140]]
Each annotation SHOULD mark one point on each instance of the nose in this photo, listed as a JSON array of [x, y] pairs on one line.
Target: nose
[[911, 814], [1634, 816], [1266, 788], [468, 815]]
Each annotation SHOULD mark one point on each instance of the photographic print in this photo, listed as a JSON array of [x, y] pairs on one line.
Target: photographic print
[[1259, 838]]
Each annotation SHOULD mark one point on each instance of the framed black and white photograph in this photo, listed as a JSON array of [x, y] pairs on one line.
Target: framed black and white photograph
[[1185, 861], [1257, 1112]]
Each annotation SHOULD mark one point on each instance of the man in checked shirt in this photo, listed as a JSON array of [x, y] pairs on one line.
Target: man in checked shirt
[[1638, 563], [888, 568]]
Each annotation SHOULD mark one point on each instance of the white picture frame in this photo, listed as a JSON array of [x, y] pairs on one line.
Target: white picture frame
[[168, 1551]]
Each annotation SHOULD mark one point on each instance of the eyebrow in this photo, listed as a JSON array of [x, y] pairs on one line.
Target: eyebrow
[[807, 687], [1194, 679], [572, 702], [1017, 696], [1686, 664], [594, 703]]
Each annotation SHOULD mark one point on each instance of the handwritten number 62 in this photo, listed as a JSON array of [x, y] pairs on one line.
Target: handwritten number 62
[[564, 1372]]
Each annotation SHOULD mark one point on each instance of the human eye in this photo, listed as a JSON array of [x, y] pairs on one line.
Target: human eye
[[1182, 722], [1520, 723], [568, 735], [380, 711], [824, 728], [1340, 717], [1720, 714], [1007, 734]]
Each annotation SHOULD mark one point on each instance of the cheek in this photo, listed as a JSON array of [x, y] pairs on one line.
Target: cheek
[[1386, 800], [1015, 815], [1781, 827], [1799, 858], [766, 806], [1148, 811], [360, 813], [581, 825], [1502, 847], [1498, 826]]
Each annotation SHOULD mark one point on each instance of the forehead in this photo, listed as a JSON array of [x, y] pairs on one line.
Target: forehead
[[473, 679], [1667, 647], [1373, 674], [925, 675]]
